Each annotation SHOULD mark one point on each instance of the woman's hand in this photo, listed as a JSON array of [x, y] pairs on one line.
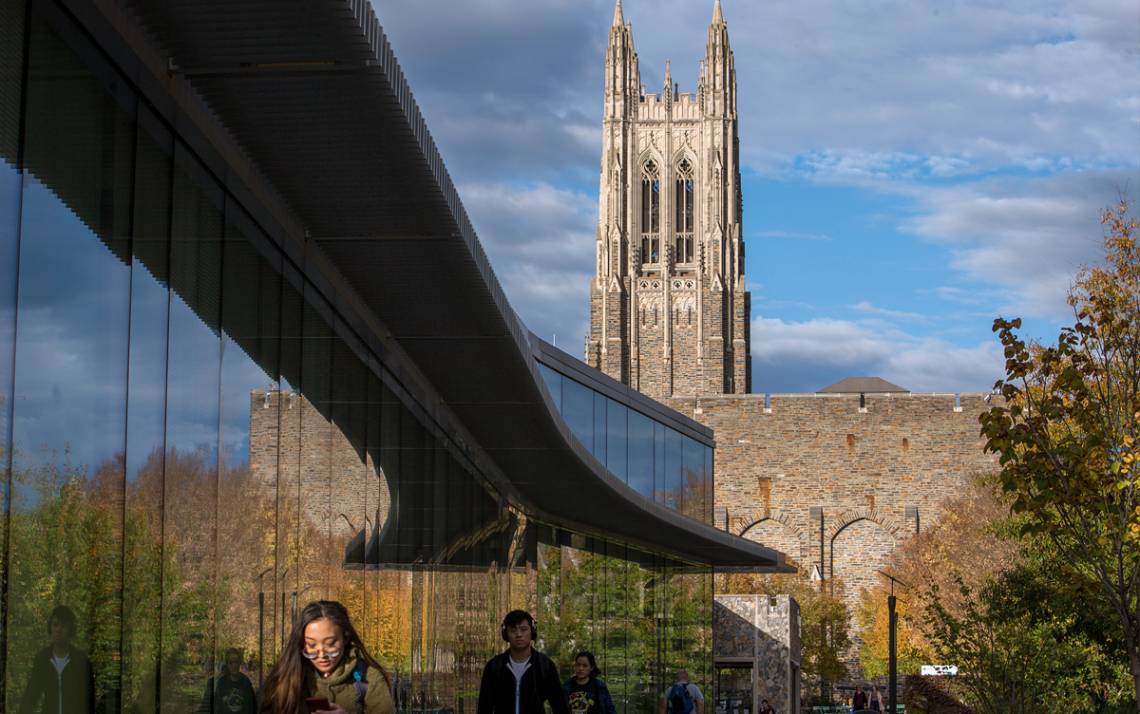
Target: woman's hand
[[333, 709]]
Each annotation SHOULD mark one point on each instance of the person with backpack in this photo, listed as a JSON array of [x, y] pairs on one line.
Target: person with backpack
[[325, 669], [519, 680], [586, 693], [683, 697]]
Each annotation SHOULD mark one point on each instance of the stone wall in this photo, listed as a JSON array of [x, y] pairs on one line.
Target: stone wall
[[292, 444], [763, 630], [835, 486]]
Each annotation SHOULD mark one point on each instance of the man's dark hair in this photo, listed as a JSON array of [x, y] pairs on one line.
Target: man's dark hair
[[516, 617], [64, 616]]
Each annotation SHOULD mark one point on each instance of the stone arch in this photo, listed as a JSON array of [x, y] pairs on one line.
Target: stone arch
[[852, 515], [684, 154], [858, 546], [645, 158], [773, 531]]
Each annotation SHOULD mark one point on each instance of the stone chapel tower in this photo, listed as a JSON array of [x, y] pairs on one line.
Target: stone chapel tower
[[669, 313]]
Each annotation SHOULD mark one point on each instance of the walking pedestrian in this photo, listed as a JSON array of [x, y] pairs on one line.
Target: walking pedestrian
[[520, 679], [325, 669], [683, 697], [586, 693]]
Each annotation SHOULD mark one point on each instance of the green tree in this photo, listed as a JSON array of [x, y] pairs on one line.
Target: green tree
[[1015, 661], [1066, 433]]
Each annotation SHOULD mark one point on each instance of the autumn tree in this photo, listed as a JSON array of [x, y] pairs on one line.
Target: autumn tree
[[1066, 432]]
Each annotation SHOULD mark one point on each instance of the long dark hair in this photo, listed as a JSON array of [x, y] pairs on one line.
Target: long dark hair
[[594, 671], [283, 691]]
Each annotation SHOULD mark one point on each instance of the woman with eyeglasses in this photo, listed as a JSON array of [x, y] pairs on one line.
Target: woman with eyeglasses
[[325, 669]]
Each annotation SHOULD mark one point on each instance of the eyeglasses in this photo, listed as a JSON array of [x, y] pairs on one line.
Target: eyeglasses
[[318, 653]]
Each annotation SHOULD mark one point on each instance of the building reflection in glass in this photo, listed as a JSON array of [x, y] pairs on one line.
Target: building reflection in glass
[[195, 444]]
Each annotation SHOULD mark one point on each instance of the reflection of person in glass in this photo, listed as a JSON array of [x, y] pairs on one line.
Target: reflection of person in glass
[[325, 669], [586, 693], [61, 680], [230, 692]]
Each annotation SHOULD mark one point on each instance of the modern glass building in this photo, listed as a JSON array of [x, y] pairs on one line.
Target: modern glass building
[[224, 390]]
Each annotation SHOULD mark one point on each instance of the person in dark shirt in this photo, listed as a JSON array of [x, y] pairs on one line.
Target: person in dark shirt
[[519, 680], [61, 681], [230, 692], [586, 693]]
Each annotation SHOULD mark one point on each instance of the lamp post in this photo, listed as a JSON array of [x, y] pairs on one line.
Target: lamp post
[[892, 644]]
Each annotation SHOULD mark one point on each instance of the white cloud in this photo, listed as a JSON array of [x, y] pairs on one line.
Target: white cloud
[[867, 307], [806, 356], [974, 85], [1027, 237], [540, 240]]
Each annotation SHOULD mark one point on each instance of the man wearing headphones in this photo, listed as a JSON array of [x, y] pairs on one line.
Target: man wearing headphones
[[519, 680]]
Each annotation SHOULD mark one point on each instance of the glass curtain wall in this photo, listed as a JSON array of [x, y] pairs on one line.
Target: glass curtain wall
[[654, 459], [192, 439]]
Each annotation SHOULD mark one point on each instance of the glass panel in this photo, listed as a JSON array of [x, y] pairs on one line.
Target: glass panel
[[11, 83], [70, 386], [192, 436], [247, 487], [578, 411], [600, 427], [693, 474], [277, 584], [553, 384], [146, 415], [311, 576], [351, 487], [659, 485], [641, 453], [710, 492], [674, 457], [617, 436]]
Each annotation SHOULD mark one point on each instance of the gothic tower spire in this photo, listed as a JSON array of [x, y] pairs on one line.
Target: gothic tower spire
[[668, 309]]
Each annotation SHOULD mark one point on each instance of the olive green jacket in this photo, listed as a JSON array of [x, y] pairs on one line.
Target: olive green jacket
[[339, 688]]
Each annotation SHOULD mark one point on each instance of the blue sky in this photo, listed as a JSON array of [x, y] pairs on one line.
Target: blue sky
[[911, 168]]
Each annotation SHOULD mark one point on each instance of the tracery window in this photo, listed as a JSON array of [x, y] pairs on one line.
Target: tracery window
[[683, 199], [650, 213]]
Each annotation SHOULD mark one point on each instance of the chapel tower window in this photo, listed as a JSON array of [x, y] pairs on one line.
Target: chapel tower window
[[683, 204], [650, 213]]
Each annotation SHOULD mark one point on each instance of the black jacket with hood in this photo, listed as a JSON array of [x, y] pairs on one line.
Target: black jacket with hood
[[539, 683], [75, 685]]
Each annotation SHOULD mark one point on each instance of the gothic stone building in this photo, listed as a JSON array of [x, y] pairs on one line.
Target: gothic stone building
[[668, 309], [835, 480]]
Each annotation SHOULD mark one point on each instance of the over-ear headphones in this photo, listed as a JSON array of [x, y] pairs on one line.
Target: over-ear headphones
[[519, 615]]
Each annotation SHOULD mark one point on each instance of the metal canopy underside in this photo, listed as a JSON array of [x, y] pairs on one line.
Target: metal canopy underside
[[311, 94]]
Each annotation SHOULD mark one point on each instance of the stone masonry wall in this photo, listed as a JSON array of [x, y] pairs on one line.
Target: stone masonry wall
[[835, 487], [765, 631], [293, 444]]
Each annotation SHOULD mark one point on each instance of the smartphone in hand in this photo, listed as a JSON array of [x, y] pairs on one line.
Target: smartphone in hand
[[317, 704]]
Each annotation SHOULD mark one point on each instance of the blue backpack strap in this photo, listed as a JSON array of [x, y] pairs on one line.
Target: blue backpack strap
[[360, 683]]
